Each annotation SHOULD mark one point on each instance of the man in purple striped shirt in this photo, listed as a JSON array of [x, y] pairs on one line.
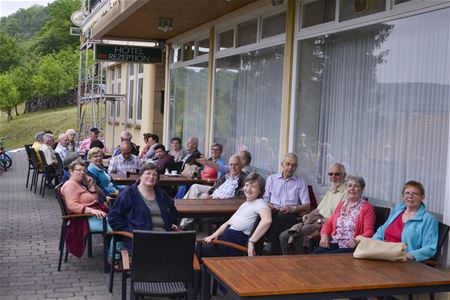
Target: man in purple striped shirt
[[287, 196]]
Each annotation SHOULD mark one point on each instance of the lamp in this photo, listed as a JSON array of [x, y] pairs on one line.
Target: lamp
[[165, 24]]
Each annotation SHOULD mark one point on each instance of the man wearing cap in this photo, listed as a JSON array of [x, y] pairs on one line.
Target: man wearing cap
[[93, 135]]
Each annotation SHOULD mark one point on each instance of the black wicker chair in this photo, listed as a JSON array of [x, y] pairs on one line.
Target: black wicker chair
[[162, 264], [30, 163], [66, 217], [35, 168]]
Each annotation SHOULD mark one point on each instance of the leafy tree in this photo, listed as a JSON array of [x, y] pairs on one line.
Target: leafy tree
[[10, 52], [9, 95], [25, 23], [55, 36], [24, 87]]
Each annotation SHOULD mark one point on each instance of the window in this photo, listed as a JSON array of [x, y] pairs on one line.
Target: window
[[188, 51], [317, 12], [273, 25], [187, 101], [203, 47], [119, 90], [226, 39], [247, 32], [130, 92], [247, 105], [140, 90], [376, 99], [350, 9]]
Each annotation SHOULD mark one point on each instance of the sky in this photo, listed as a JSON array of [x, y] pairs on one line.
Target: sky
[[8, 7]]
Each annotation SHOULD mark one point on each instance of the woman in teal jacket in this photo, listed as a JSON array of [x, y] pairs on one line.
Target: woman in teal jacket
[[412, 224]]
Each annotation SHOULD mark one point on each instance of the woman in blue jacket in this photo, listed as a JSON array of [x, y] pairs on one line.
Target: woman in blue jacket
[[412, 224], [143, 206]]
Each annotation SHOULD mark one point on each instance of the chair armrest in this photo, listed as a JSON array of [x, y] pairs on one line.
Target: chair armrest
[[75, 216], [121, 233], [227, 244], [125, 260], [196, 264]]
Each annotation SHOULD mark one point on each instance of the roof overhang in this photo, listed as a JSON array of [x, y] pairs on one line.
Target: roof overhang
[[138, 20]]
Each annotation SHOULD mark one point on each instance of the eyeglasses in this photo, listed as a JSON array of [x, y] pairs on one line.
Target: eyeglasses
[[414, 194], [80, 170], [334, 174]]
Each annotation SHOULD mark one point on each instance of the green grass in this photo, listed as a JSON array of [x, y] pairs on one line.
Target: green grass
[[21, 129]]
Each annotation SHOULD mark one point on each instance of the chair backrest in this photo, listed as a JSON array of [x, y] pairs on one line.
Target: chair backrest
[[312, 198], [162, 256], [44, 161], [60, 198], [58, 158], [443, 234], [381, 215], [32, 156]]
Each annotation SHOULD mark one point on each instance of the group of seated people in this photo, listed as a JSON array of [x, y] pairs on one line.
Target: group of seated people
[[281, 202]]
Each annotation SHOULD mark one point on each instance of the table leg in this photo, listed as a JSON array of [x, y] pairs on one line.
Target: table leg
[[206, 284]]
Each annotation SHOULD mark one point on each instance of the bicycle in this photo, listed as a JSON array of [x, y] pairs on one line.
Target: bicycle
[[5, 160]]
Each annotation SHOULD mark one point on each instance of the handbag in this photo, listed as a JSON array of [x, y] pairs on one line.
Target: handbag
[[189, 170], [375, 249]]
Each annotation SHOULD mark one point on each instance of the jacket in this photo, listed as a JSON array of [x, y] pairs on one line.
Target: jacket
[[130, 211], [238, 192], [420, 233], [364, 226]]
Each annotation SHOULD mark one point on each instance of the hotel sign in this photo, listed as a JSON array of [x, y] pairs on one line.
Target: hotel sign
[[122, 53]]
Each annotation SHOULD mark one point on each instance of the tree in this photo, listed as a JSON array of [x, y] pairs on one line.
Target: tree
[[25, 23], [9, 95], [24, 87], [55, 36], [10, 52]]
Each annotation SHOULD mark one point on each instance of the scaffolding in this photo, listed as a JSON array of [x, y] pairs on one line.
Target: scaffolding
[[92, 97]]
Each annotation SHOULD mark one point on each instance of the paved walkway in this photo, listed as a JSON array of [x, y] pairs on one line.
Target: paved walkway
[[29, 229]]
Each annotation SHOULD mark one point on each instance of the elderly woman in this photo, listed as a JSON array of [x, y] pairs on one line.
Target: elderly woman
[[208, 171], [144, 205], [71, 133], [411, 223], [80, 196], [96, 171], [148, 151], [238, 228], [353, 216]]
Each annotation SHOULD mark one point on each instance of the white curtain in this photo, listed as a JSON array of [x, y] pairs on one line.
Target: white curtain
[[247, 107], [383, 95], [188, 93]]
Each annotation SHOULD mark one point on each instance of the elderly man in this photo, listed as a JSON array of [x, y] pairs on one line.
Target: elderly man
[[53, 170], [227, 186], [62, 147], [246, 159], [93, 135], [125, 162], [287, 196], [126, 136], [192, 152], [293, 240], [39, 139], [162, 158]]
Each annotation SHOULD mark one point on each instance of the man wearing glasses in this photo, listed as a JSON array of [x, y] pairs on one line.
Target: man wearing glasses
[[295, 239]]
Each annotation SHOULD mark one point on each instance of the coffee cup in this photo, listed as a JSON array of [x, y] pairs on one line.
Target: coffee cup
[[128, 174], [174, 172]]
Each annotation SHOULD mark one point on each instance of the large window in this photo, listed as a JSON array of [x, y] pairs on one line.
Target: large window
[[130, 92], [247, 107], [187, 100], [140, 90], [377, 99]]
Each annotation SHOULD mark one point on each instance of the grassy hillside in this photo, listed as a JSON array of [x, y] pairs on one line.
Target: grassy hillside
[[21, 129]]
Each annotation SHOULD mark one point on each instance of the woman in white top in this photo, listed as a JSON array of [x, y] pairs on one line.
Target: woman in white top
[[238, 228]]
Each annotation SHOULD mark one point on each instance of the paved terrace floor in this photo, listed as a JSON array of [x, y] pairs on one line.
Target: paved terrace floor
[[29, 231]]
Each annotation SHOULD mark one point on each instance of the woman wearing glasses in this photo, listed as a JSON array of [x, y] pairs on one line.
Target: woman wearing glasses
[[80, 196], [98, 172], [411, 223], [354, 216]]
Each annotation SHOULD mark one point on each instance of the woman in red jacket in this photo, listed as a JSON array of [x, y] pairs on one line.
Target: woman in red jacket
[[352, 217]]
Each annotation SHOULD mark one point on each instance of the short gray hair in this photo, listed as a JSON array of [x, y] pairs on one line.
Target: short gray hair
[[48, 136], [39, 136], [71, 131], [194, 140], [126, 135], [341, 167], [357, 179], [291, 155], [61, 136]]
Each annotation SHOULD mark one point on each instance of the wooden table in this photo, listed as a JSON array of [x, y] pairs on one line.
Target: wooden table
[[320, 277], [200, 208], [164, 180]]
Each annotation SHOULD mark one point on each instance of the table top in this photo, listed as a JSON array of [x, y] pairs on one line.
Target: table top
[[207, 207], [303, 274], [122, 179]]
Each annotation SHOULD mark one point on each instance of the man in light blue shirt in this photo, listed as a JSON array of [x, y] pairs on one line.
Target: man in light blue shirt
[[287, 196]]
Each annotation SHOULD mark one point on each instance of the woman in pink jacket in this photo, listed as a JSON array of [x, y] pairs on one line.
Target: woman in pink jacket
[[352, 217]]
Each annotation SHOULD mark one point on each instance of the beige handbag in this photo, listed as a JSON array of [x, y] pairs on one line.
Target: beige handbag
[[189, 170], [375, 249]]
